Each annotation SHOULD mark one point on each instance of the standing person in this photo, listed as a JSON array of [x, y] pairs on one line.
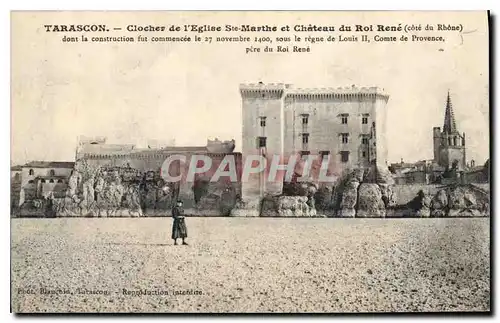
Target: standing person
[[179, 229]]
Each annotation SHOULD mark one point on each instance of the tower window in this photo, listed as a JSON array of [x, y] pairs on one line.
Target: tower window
[[343, 118], [52, 172], [449, 141], [345, 138], [364, 119], [32, 172], [262, 121], [363, 154], [454, 141], [364, 140], [51, 181], [262, 142], [344, 156], [42, 181], [305, 119], [305, 138]]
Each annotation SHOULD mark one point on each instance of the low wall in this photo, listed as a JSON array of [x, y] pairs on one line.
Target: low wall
[[404, 193]]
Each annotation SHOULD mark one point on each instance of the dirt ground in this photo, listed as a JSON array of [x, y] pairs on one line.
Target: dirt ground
[[250, 265]]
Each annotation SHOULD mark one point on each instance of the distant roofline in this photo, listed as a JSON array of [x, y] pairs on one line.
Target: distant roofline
[[49, 164]]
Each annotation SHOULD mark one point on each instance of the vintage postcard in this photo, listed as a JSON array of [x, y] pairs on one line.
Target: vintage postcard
[[250, 162]]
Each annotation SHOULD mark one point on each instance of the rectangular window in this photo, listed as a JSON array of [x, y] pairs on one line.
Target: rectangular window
[[262, 142], [345, 138], [364, 119], [364, 140], [305, 119], [305, 138], [344, 156], [262, 121], [343, 118], [363, 154]]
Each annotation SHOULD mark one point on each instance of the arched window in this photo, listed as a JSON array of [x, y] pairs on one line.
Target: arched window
[[30, 181], [60, 181], [51, 181], [32, 172], [454, 141], [42, 181], [52, 172]]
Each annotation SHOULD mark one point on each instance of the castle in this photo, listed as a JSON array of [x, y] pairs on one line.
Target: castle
[[346, 124]]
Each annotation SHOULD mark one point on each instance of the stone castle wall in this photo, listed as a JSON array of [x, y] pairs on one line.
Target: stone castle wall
[[108, 187]]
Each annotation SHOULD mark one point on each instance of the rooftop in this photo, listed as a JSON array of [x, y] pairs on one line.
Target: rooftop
[[48, 164]]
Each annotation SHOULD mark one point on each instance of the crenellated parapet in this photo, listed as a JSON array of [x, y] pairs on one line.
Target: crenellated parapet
[[279, 90], [340, 93], [261, 90]]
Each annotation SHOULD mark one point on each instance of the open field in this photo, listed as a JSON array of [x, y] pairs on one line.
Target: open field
[[251, 265]]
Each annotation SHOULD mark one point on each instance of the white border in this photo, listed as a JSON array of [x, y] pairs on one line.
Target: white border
[[7, 6]]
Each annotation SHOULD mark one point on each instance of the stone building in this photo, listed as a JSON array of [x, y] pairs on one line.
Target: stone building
[[97, 153], [477, 174], [346, 124], [37, 179], [449, 143], [449, 164]]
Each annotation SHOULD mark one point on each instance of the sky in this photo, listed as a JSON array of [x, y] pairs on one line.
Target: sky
[[132, 92]]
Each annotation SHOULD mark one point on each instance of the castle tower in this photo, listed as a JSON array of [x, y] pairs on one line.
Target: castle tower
[[345, 125], [451, 144], [263, 134]]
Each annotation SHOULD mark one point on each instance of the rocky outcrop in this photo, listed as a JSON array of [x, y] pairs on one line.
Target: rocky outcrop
[[378, 175], [323, 198], [419, 206], [249, 207], [439, 204], [388, 195], [370, 203], [294, 206], [349, 199], [364, 193], [455, 200], [112, 192], [424, 211], [466, 201]]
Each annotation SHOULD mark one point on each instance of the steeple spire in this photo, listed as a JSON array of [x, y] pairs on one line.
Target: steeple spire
[[450, 125]]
